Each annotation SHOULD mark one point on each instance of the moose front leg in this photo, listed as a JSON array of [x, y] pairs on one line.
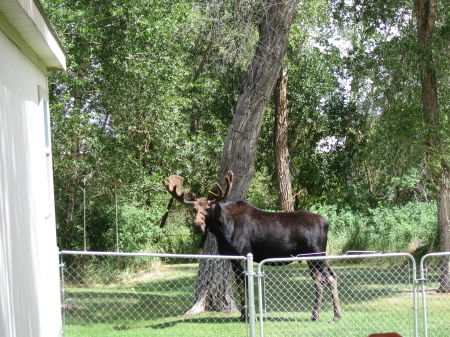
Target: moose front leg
[[238, 270]]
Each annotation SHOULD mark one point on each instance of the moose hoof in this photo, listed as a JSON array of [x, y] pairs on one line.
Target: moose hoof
[[336, 319], [314, 318]]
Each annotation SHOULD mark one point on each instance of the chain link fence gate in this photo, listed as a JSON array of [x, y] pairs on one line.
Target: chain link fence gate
[[376, 291], [127, 294], [435, 280]]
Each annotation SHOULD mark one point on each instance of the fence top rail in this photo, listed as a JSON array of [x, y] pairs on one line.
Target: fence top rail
[[309, 257], [435, 254], [184, 256], [422, 260]]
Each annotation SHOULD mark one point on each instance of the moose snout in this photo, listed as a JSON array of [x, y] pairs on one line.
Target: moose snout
[[199, 228]]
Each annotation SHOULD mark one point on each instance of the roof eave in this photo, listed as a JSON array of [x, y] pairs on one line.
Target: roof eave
[[29, 20]]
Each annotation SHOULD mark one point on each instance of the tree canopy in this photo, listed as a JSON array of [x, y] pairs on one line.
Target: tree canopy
[[152, 87]]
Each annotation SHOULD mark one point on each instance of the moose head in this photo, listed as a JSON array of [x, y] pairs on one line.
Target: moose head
[[201, 206]]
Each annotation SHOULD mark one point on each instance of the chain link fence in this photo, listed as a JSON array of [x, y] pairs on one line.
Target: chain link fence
[[163, 295], [149, 295], [435, 277]]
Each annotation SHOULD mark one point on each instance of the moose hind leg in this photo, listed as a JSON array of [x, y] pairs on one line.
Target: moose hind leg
[[316, 275], [331, 279]]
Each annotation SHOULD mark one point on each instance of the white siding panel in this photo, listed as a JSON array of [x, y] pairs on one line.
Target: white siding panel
[[29, 278]]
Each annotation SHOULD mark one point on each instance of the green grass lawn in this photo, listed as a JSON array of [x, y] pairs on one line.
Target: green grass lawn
[[149, 303], [153, 302], [189, 328]]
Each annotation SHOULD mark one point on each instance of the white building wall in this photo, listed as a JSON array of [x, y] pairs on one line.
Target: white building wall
[[29, 275]]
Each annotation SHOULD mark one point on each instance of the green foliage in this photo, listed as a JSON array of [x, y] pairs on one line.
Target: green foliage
[[129, 108], [262, 192], [139, 231], [139, 228], [178, 236], [179, 239], [150, 91], [382, 229]]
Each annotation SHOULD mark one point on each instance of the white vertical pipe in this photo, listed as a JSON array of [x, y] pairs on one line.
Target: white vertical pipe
[[251, 294]]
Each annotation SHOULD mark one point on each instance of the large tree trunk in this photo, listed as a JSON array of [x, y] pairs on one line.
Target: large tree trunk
[[443, 198], [281, 150], [239, 151], [426, 12], [240, 145], [214, 287]]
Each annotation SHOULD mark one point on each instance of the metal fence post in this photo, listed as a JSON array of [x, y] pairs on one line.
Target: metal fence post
[[251, 294], [415, 297], [261, 295], [424, 305], [61, 280]]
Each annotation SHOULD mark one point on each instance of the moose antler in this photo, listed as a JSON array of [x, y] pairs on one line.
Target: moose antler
[[173, 185], [217, 193]]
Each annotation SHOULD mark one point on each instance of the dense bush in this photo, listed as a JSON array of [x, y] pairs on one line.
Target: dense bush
[[383, 229], [140, 231]]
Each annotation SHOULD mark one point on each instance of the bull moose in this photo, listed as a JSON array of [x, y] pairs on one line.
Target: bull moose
[[241, 228]]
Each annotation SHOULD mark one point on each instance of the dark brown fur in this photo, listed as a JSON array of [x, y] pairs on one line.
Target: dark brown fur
[[241, 228]]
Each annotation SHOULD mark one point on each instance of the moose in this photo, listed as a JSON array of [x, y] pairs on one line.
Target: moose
[[241, 228]]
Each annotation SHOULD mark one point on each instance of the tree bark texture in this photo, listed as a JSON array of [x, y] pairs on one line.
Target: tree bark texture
[[281, 150], [426, 14], [240, 147], [443, 201], [214, 287]]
